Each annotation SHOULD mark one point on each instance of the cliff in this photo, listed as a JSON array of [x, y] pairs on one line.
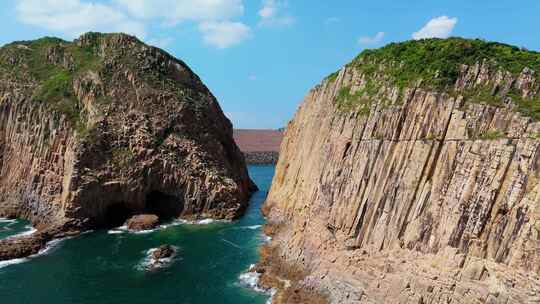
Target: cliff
[[95, 130], [412, 176]]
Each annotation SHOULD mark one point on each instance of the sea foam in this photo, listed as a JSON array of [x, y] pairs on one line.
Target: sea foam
[[124, 229], [145, 264], [250, 279], [31, 230], [51, 246], [6, 220]]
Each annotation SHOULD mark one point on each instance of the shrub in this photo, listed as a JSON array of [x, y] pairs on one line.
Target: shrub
[[435, 64], [491, 135]]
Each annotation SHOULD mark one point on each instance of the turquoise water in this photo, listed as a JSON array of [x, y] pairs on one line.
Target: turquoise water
[[100, 267], [13, 227]]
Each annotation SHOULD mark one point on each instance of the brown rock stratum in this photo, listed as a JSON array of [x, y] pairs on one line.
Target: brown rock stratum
[[412, 202], [142, 222], [96, 130]]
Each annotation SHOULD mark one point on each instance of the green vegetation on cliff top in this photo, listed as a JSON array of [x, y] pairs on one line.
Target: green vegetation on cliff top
[[52, 63], [435, 64]]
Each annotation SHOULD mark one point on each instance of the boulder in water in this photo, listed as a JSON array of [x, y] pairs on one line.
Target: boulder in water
[[163, 252], [142, 222], [160, 257]]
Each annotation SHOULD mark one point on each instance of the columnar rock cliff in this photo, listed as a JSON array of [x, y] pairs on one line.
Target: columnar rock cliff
[[403, 180], [97, 129]]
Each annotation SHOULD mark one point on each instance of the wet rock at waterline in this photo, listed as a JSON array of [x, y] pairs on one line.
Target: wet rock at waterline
[[160, 257], [164, 251], [29, 244], [142, 222]]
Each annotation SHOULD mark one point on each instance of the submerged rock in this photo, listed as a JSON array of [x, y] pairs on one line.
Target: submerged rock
[[160, 257], [164, 251], [106, 126], [142, 222]]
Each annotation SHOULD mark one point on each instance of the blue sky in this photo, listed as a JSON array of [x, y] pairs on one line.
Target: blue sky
[[260, 57]]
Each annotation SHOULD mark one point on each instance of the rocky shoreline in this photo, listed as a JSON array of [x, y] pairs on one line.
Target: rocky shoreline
[[18, 247], [283, 280], [261, 158]]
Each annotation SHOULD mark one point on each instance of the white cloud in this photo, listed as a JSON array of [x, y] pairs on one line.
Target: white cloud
[[273, 13], [175, 11], [161, 42], [214, 18], [366, 40], [440, 27], [73, 17], [223, 34]]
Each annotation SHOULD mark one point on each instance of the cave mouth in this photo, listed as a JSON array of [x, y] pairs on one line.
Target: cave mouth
[[165, 206], [116, 215]]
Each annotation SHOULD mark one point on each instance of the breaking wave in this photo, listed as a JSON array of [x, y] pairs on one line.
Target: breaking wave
[[6, 220], [51, 246], [124, 229], [147, 263], [250, 279]]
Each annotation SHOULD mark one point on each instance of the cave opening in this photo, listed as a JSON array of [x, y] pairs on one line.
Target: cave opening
[[116, 215], [163, 205]]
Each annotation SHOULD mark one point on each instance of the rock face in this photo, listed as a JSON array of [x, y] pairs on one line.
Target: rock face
[[414, 194], [163, 252], [160, 257], [94, 130], [142, 222]]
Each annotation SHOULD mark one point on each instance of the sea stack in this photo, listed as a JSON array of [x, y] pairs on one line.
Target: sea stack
[[412, 176], [104, 127]]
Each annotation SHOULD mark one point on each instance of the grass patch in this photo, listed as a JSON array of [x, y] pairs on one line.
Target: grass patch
[[122, 157], [332, 77], [361, 100], [491, 135], [527, 106], [52, 64], [436, 62], [343, 95], [483, 95], [535, 136], [56, 93], [56, 88], [38, 64]]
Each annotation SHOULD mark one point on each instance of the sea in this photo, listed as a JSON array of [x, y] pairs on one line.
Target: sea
[[109, 266]]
